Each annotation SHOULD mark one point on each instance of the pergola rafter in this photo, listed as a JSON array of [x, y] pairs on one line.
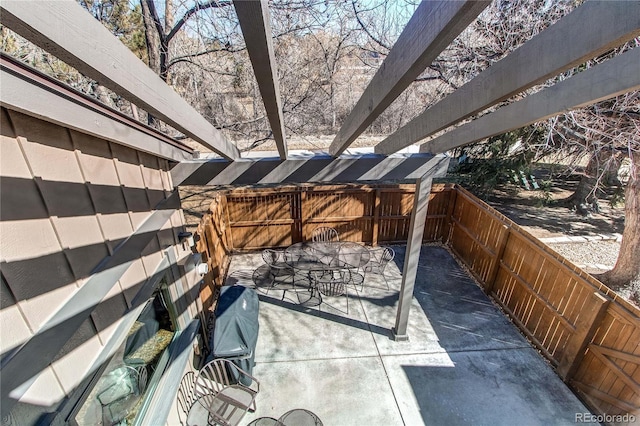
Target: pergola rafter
[[57, 103], [544, 56], [254, 22], [606, 80], [431, 29], [317, 168], [64, 29]]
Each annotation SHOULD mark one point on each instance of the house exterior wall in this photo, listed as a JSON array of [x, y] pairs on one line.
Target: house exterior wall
[[68, 202]]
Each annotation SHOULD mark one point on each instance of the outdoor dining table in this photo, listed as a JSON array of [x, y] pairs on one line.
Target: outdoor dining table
[[314, 256], [309, 256]]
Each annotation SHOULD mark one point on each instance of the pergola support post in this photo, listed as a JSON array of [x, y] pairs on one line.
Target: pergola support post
[[412, 256]]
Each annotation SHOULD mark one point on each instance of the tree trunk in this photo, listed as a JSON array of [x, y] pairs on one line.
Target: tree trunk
[[154, 43], [627, 269], [585, 200], [168, 14], [613, 170], [164, 60], [152, 36], [586, 185]]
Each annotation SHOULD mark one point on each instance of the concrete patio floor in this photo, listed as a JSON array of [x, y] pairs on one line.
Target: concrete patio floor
[[464, 363]]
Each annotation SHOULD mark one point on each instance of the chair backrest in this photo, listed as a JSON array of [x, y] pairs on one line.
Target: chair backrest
[[215, 388], [186, 397], [220, 373], [214, 376], [292, 256], [332, 282], [387, 255], [324, 234], [271, 257], [380, 257]]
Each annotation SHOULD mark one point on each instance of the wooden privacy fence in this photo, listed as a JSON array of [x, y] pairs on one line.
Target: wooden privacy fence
[[588, 333], [279, 217], [582, 327], [213, 245]]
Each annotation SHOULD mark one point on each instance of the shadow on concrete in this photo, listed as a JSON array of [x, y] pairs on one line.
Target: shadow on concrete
[[350, 322]]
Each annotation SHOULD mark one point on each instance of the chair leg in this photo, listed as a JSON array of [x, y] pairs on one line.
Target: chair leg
[[273, 281], [346, 293], [385, 280], [364, 277]]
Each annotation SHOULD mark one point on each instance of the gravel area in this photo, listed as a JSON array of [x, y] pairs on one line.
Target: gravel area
[[593, 257]]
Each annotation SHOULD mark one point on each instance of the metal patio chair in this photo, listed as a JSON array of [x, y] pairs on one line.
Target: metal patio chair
[[324, 234], [380, 258], [218, 388], [278, 267], [186, 397], [331, 283]]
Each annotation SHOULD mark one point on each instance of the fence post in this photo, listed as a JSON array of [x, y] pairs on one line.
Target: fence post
[[493, 274], [303, 217], [376, 218], [295, 214], [586, 327], [453, 198], [228, 228]]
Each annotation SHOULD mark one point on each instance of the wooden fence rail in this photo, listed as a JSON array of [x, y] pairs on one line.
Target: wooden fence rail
[[588, 333]]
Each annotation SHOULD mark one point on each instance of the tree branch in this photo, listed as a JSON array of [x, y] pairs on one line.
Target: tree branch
[[195, 9], [364, 28], [189, 57]]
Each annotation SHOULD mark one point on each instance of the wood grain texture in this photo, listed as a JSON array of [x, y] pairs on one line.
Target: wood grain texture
[[256, 28]]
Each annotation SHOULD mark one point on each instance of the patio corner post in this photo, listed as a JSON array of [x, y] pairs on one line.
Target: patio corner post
[[412, 256]]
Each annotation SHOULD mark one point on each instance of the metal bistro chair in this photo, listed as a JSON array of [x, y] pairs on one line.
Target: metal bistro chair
[[277, 266], [332, 282], [353, 261], [186, 397], [226, 399], [380, 258], [324, 234]]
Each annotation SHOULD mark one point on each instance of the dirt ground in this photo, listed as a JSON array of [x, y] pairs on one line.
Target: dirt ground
[[545, 216], [554, 219]]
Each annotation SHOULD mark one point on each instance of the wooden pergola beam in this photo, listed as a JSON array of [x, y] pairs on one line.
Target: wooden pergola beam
[[431, 29], [254, 22], [606, 80], [67, 31], [601, 25], [321, 168], [30, 92]]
